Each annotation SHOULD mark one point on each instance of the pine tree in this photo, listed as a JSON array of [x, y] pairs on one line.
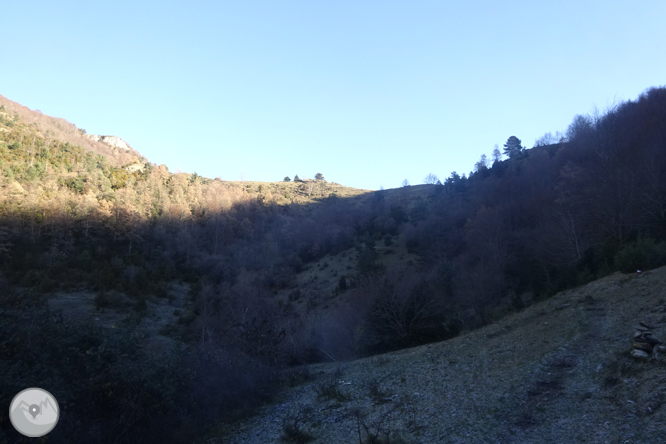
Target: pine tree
[[513, 147]]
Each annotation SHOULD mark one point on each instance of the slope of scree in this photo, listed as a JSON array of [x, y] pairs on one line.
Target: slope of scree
[[559, 371]]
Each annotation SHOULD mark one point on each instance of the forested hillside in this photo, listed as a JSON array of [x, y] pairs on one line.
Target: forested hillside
[[287, 273]]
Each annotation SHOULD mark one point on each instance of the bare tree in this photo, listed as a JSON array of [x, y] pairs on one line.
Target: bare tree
[[402, 311], [430, 179], [482, 163], [405, 183], [550, 139], [497, 154]]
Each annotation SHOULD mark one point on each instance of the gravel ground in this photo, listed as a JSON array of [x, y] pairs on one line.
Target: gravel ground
[[558, 372]]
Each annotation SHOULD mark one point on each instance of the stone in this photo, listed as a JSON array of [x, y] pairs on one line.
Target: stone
[[133, 167], [640, 345], [651, 340], [640, 354]]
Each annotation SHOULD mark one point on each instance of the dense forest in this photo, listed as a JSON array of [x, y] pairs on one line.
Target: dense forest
[[484, 245]]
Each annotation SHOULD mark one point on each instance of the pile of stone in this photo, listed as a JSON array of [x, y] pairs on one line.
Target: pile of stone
[[645, 345]]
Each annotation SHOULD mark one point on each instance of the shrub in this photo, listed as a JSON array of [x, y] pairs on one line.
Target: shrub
[[292, 431], [103, 379], [330, 389], [643, 254]]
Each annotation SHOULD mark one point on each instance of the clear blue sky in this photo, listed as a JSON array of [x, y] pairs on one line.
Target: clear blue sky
[[366, 92]]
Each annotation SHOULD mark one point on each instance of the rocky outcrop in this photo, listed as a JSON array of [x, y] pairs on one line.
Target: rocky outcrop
[[133, 167], [113, 141], [644, 344]]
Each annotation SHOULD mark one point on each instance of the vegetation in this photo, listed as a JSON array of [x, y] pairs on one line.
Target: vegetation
[[513, 147], [478, 246]]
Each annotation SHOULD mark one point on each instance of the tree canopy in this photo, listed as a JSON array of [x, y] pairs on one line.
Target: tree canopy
[[513, 147]]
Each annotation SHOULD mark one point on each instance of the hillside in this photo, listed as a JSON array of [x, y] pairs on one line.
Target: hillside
[[204, 297], [559, 371], [55, 128]]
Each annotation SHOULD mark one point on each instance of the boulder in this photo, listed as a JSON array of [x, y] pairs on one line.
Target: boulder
[[640, 354]]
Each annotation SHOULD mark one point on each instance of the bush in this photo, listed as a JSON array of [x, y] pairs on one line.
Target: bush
[[292, 430], [643, 254], [103, 380]]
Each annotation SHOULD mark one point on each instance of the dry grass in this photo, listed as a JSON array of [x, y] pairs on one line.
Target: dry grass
[[302, 192]]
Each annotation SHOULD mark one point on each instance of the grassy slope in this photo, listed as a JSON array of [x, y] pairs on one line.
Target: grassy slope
[[559, 371], [319, 279]]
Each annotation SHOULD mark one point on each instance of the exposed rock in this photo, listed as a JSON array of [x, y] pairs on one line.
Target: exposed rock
[[133, 167], [113, 141], [644, 342]]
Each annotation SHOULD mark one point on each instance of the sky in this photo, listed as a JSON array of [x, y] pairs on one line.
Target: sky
[[368, 93]]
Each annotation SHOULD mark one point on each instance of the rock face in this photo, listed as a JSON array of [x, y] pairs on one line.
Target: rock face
[[113, 141]]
